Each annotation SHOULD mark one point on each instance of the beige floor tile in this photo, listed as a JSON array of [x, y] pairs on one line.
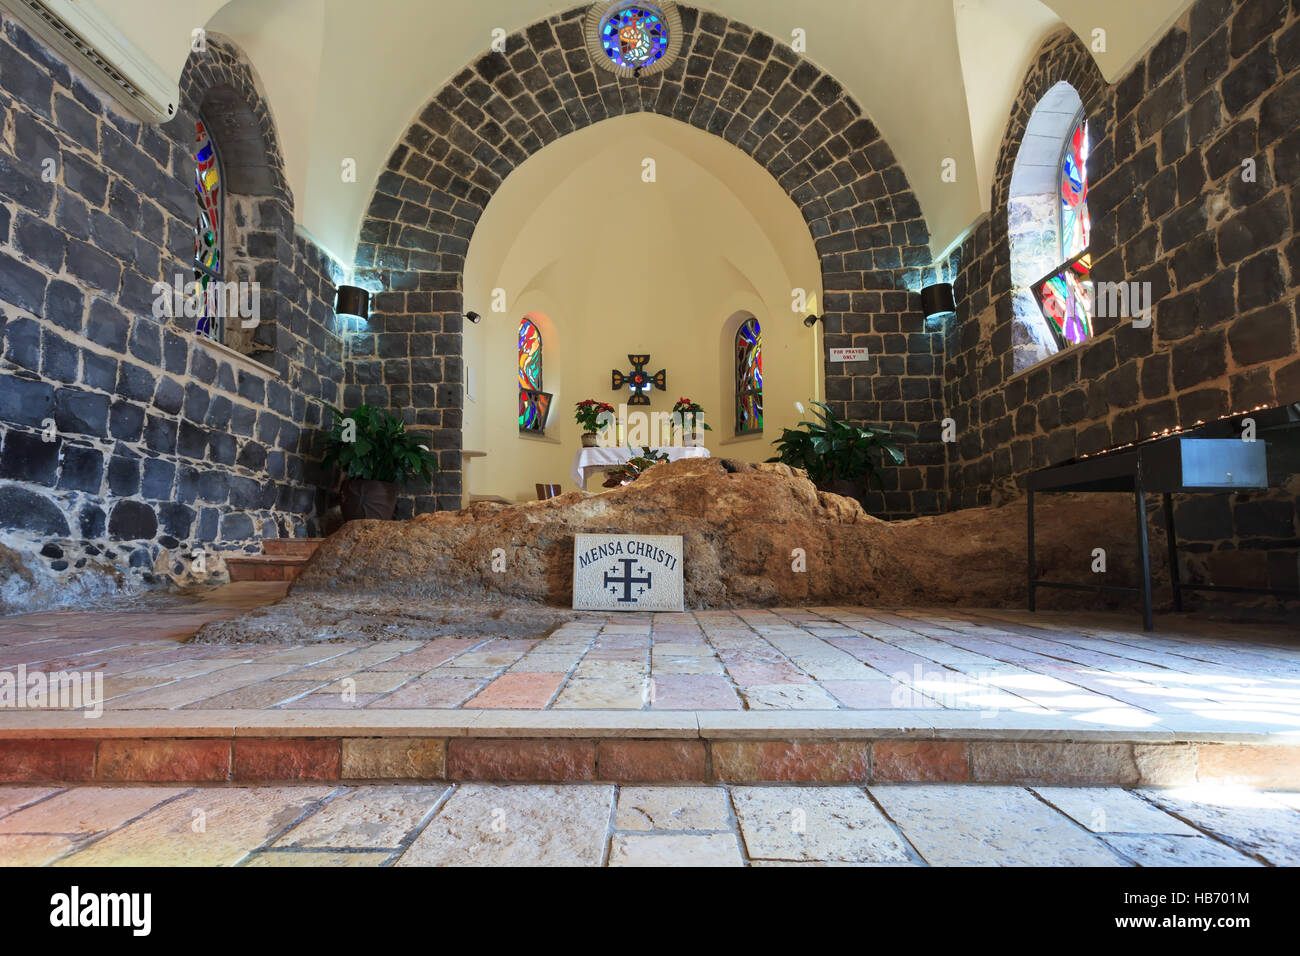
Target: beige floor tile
[[1112, 810], [965, 825], [319, 859], [32, 850], [815, 823], [1166, 850], [673, 808], [675, 849], [213, 827], [83, 810], [483, 825], [366, 817]]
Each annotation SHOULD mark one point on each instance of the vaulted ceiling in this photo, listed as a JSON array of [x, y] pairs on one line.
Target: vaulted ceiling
[[344, 79]]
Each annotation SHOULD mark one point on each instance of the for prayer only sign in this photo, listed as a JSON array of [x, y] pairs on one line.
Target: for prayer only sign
[[627, 572]]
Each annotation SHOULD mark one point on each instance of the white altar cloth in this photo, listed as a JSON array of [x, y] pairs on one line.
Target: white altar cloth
[[589, 460]]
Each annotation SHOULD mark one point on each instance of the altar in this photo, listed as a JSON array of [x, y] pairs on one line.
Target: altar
[[590, 460]]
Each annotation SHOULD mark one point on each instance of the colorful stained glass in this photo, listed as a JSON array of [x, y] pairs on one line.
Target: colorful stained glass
[[533, 402], [634, 35], [1066, 299], [749, 377], [1075, 225], [207, 227]]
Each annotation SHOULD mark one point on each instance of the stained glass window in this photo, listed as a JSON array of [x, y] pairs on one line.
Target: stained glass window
[[634, 35], [1066, 299], [533, 402], [208, 226], [1075, 226], [1065, 295], [749, 377]]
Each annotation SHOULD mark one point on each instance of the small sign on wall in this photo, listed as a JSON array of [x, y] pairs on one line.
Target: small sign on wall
[[627, 572], [849, 355]]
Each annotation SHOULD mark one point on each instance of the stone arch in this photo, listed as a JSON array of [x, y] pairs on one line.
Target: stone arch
[[730, 80], [218, 84]]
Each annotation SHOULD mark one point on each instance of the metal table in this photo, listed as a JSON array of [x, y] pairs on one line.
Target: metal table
[[1166, 466]]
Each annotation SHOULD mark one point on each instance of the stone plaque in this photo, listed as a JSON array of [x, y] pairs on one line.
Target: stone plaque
[[627, 572]]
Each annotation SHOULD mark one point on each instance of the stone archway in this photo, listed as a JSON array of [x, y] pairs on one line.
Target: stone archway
[[730, 80]]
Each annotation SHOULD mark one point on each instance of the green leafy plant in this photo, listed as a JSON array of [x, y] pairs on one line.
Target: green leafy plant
[[370, 444], [830, 449], [635, 468], [689, 411], [588, 414]]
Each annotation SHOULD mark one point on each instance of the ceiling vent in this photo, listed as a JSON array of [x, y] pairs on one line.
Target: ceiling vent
[[90, 42]]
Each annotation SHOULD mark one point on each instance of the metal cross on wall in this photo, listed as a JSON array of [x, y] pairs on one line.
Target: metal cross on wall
[[639, 381]]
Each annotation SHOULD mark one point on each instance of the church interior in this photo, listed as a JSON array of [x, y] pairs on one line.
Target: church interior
[[641, 419]]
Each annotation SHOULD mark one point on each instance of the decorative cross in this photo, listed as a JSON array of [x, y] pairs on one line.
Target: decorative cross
[[627, 580], [639, 380]]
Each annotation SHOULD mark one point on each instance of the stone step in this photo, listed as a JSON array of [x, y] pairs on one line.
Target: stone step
[[291, 547], [198, 746], [265, 567]]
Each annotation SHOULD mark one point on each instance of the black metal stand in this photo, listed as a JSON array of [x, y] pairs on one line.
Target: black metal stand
[[1168, 466]]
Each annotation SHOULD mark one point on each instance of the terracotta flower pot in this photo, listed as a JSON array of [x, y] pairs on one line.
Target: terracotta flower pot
[[363, 498], [588, 439]]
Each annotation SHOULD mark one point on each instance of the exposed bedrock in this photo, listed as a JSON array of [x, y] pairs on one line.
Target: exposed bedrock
[[743, 526]]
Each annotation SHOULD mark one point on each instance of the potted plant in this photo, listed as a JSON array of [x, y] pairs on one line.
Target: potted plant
[[691, 417], [594, 417], [375, 453], [839, 457], [634, 469]]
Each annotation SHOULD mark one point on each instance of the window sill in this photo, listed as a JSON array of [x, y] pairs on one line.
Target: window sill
[[741, 439], [237, 359], [539, 437]]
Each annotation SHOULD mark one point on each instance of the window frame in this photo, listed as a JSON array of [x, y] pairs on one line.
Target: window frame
[[737, 391], [218, 331]]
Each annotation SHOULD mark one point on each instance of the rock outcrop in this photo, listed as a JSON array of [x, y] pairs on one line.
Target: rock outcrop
[[744, 527]]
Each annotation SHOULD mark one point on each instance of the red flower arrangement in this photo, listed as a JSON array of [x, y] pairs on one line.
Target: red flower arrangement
[[588, 412]]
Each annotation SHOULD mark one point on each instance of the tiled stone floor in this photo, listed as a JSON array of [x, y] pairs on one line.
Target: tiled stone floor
[[607, 825], [1084, 669]]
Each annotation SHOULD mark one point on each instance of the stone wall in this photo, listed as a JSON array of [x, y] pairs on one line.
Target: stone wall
[[730, 80], [1169, 206], [160, 445]]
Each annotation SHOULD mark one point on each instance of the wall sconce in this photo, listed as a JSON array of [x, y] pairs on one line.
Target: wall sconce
[[473, 317], [352, 305], [813, 320], [937, 301]]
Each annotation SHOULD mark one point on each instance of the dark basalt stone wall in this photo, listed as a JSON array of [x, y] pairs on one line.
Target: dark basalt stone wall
[[127, 445], [1170, 206]]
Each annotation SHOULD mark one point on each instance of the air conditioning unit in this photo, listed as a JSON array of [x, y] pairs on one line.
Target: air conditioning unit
[[90, 42]]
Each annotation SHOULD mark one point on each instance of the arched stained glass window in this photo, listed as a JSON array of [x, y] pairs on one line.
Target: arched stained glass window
[[1066, 294], [209, 224], [749, 377], [534, 404]]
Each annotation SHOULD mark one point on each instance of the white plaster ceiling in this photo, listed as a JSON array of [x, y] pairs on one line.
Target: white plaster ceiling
[[344, 78]]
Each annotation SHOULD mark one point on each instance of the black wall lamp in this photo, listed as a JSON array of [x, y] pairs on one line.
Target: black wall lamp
[[473, 317], [937, 301], [813, 320], [352, 302]]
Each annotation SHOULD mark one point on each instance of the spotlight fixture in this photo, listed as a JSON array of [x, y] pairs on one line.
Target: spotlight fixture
[[473, 317], [813, 320], [352, 302], [937, 301]]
